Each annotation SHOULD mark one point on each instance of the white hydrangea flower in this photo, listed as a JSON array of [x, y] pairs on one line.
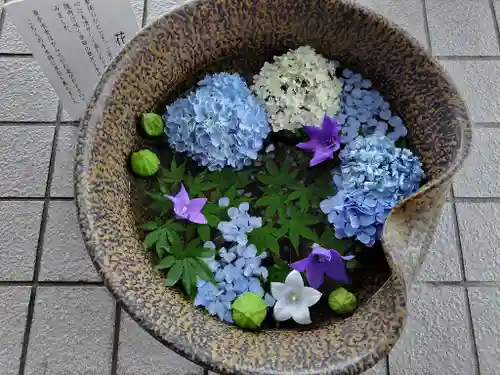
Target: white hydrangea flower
[[299, 88]]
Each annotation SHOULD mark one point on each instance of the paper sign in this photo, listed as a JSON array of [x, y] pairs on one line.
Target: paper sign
[[74, 41]]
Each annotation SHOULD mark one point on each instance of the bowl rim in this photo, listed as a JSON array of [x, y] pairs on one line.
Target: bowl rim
[[100, 97]]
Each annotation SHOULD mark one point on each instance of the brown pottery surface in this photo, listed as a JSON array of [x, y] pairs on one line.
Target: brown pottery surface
[[239, 35]]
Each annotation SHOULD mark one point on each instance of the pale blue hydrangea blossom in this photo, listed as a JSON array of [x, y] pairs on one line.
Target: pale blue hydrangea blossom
[[238, 270], [364, 110], [240, 224], [224, 202], [219, 124], [374, 176]]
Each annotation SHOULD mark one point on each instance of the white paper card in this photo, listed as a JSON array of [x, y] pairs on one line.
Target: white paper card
[[74, 41]]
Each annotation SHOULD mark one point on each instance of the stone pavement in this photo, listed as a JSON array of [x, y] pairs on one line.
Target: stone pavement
[[56, 318]]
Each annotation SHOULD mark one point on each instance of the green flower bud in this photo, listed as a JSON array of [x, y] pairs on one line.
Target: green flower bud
[[144, 163], [342, 301], [152, 123], [249, 310]]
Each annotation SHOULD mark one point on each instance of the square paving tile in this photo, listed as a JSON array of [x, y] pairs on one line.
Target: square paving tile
[[71, 333], [485, 311], [24, 160], [409, 14], [25, 92], [479, 83], [157, 7], [478, 176], [437, 335], [442, 262], [141, 354], [19, 229], [13, 310], [461, 27], [62, 180], [479, 223], [138, 6], [10, 40], [64, 255]]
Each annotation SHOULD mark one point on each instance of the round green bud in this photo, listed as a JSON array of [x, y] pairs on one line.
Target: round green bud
[[249, 310], [342, 301], [152, 123], [144, 163]]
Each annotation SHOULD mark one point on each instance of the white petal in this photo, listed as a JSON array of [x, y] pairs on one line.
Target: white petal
[[300, 314], [282, 310], [294, 280], [310, 296], [280, 290]]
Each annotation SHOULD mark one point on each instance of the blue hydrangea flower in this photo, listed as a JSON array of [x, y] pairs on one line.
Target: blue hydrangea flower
[[374, 176], [219, 124], [364, 111], [224, 202], [375, 165], [239, 225], [238, 269]]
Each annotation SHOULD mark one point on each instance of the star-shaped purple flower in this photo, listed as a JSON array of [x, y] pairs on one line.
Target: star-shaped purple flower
[[323, 141], [323, 261], [189, 209]]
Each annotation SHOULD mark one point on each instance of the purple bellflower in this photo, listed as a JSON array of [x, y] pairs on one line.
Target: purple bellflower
[[323, 261], [189, 209], [323, 141]]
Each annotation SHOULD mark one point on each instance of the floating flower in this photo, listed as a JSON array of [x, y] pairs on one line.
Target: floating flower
[[239, 269], [298, 88], [323, 142], [320, 262], [375, 165], [352, 216], [364, 110], [219, 124], [240, 224], [224, 202], [189, 209], [293, 299], [374, 176]]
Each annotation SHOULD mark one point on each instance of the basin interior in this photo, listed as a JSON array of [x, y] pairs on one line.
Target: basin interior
[[373, 270]]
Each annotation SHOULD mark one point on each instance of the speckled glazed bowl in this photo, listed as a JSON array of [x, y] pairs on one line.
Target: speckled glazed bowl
[[210, 35]]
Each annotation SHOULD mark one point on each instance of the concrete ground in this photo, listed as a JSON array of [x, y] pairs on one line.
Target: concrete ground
[[56, 318]]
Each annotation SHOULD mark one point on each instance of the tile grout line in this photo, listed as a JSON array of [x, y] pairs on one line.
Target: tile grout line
[[39, 248], [36, 199], [426, 26], [2, 18], [468, 313], [35, 123], [467, 57], [387, 368], [495, 23], [20, 55], [50, 283], [116, 338], [145, 13], [476, 199]]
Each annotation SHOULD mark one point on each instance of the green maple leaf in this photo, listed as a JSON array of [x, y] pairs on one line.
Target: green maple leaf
[[228, 178], [277, 177], [279, 271], [196, 185], [264, 238], [274, 203], [175, 174], [299, 226]]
